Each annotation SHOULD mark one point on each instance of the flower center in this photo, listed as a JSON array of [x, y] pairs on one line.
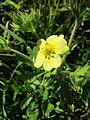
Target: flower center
[[48, 51]]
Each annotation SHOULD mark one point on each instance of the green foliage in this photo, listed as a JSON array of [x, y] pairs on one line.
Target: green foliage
[[25, 22], [28, 93], [3, 44], [20, 40], [79, 77], [11, 3]]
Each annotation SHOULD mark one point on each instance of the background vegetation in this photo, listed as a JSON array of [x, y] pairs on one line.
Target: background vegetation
[[28, 93]]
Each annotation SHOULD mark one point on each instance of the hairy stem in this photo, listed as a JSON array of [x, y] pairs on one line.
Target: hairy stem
[[21, 54]]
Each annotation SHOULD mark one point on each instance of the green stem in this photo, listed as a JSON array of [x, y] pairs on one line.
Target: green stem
[[20, 63], [6, 55], [21, 54], [71, 39], [36, 35]]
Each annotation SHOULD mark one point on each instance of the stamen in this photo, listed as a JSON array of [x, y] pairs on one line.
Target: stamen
[[48, 51]]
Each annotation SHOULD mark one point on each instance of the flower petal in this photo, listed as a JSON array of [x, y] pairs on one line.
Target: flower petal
[[48, 64], [39, 60], [51, 39], [57, 61], [60, 45], [52, 63], [43, 42]]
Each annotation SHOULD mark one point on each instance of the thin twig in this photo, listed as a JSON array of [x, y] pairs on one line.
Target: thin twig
[[71, 39], [73, 33]]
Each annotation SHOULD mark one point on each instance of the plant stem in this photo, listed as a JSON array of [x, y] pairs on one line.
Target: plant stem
[[6, 55], [21, 54], [36, 35], [73, 33], [71, 38]]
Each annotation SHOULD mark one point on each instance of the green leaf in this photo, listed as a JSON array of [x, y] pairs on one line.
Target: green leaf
[[58, 110], [3, 44], [63, 9], [87, 31], [25, 22], [80, 76], [20, 40], [26, 102], [36, 82], [33, 115], [50, 108], [45, 94], [11, 3], [2, 83], [33, 105]]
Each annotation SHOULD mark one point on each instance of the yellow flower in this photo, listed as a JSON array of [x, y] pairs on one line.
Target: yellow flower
[[48, 53]]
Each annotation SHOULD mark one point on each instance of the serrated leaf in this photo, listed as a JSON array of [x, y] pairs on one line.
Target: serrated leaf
[[80, 71], [34, 115], [26, 102], [25, 22], [50, 108], [79, 77]]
